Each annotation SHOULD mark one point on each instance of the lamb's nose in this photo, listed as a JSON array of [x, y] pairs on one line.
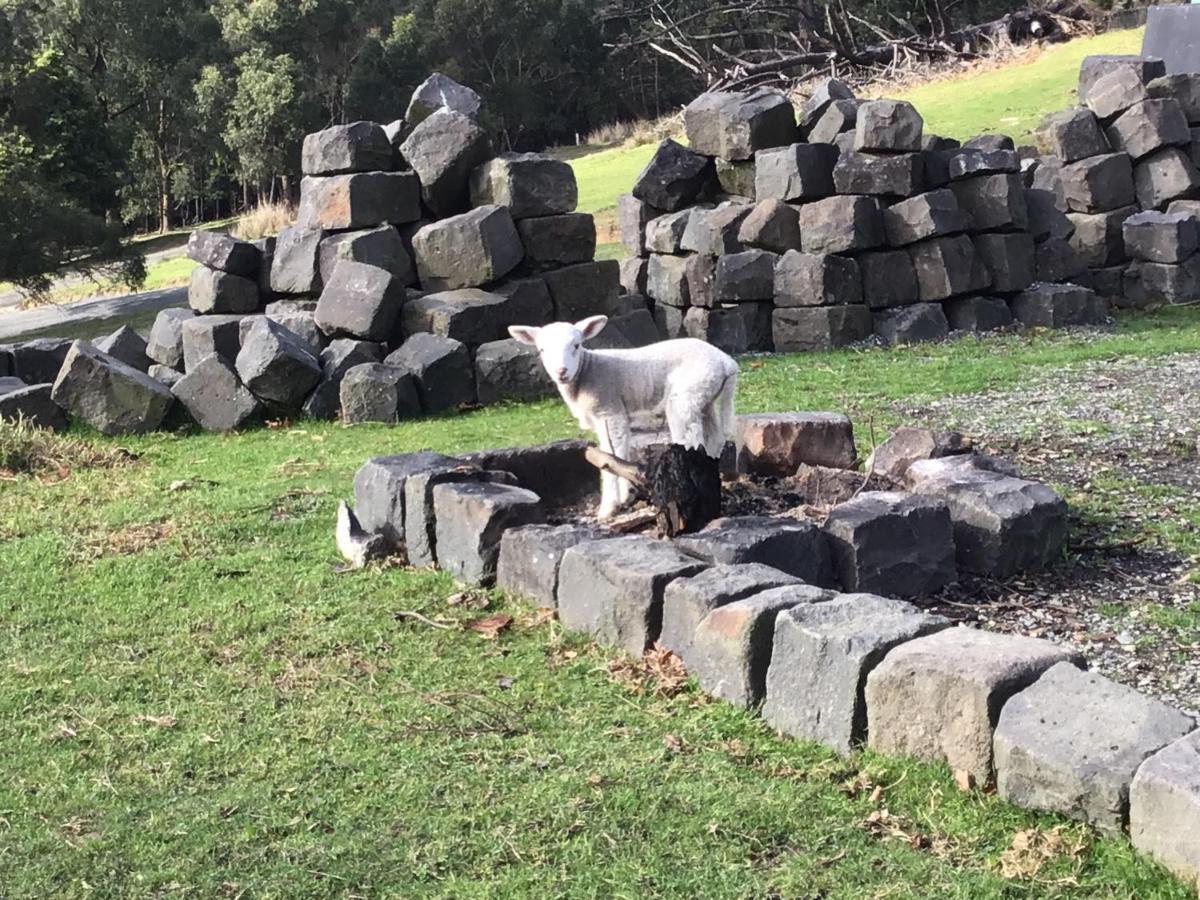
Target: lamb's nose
[[562, 374]]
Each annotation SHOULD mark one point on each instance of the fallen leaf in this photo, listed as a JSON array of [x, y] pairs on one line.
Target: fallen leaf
[[489, 627], [672, 743], [1033, 848]]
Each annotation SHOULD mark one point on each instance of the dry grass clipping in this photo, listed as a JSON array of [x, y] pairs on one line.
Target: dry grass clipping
[[265, 219], [128, 540], [28, 450], [1032, 849], [659, 672]]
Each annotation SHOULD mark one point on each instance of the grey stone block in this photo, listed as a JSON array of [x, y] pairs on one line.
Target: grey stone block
[[664, 233], [298, 317], [800, 329], [468, 315], [211, 335], [972, 163], [798, 172], [632, 217], [1071, 134], [1183, 88], [993, 202], [989, 142], [733, 125], [362, 200], [795, 547], [888, 125], [276, 365], [715, 231], [947, 266], [443, 149], [612, 589], [530, 555], [1098, 238], [1071, 742], [839, 117], [880, 175], [723, 327], [821, 656], [109, 395], [266, 251], [296, 263], [736, 177], [1098, 183], [687, 601], [442, 368], [824, 94], [977, 313], [471, 518], [913, 324], [730, 650], [748, 275], [1056, 260], [667, 281], [1002, 524], [585, 289], [557, 472], [217, 250], [215, 397], [669, 321], [1163, 176], [841, 225], [357, 147], [1108, 282], [529, 184], [1148, 126], [337, 359], [938, 697], [373, 392], [771, 225], [1143, 69], [888, 278], [779, 443], [633, 275], [467, 250], [379, 483], [1046, 220], [31, 403], [892, 543], [214, 291], [933, 214], [1113, 93], [1009, 259], [529, 301], [165, 345], [1059, 306], [440, 91], [126, 345], [509, 369], [631, 329], [907, 445], [1149, 284], [361, 301], [673, 177], [1161, 237], [1164, 807], [381, 247]]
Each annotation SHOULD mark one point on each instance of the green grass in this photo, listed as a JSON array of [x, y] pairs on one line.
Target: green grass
[[1012, 99], [194, 701]]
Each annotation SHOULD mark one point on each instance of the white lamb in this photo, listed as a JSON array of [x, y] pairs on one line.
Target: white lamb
[[688, 382]]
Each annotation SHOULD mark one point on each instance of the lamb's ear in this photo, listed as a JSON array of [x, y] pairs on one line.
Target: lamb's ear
[[526, 334], [591, 326]]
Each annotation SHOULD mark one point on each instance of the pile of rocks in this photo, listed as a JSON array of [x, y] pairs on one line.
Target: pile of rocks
[[414, 248], [787, 617]]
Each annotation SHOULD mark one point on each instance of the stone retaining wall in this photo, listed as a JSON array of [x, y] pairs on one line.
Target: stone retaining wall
[[787, 618]]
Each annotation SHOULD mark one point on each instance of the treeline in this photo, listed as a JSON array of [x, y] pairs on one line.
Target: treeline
[[149, 114]]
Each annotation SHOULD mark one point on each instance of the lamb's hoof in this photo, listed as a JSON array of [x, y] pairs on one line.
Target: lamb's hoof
[[606, 512]]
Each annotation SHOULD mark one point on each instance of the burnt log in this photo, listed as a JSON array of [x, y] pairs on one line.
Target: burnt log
[[682, 484]]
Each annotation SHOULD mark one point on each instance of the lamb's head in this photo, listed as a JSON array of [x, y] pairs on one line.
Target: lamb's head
[[560, 344]]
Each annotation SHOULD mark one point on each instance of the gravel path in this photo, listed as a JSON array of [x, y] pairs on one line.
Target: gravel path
[[1122, 436]]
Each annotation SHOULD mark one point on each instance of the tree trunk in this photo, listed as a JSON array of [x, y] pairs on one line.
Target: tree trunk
[[164, 173]]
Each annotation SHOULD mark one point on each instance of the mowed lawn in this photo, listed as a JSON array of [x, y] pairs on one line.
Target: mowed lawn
[[196, 701]]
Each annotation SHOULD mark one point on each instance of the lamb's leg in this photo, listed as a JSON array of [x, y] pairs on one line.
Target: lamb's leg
[[609, 483], [619, 436]]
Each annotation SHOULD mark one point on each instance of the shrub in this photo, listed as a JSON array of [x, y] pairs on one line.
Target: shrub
[[265, 219]]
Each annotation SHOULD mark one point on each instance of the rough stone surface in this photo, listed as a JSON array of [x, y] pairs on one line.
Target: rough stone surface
[[509, 369], [1113, 93], [1161, 237], [947, 266], [938, 697], [1093, 68], [439, 91], [337, 359], [557, 472], [382, 247], [165, 345], [379, 490], [888, 278], [1098, 183], [838, 118], [442, 368], [112, 397], [841, 225], [1071, 134], [444, 149], [126, 345], [529, 301], [667, 281], [778, 443], [1164, 807], [363, 200], [632, 217], [612, 589], [933, 214], [215, 397], [972, 163], [296, 263], [1147, 284], [977, 313], [217, 250], [276, 365], [1163, 176], [722, 327], [361, 301], [771, 225], [715, 231], [664, 233], [800, 329], [673, 177], [879, 175], [211, 335], [585, 289], [1009, 259], [1046, 220], [824, 94], [993, 202], [165, 374], [892, 543], [1098, 238], [420, 521], [530, 555], [736, 177], [467, 250], [795, 547], [889, 126], [528, 184], [1071, 742], [357, 147], [633, 275], [1057, 260], [748, 275], [468, 315], [733, 125], [730, 649], [471, 518], [907, 445], [1148, 126], [1002, 524], [214, 291], [32, 403], [687, 601], [820, 659], [798, 172], [1059, 306], [298, 317], [911, 324]]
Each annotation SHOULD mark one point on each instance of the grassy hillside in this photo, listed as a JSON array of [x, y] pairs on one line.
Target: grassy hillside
[[1010, 98]]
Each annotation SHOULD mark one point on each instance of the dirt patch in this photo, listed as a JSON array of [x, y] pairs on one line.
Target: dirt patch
[[128, 540], [26, 450]]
